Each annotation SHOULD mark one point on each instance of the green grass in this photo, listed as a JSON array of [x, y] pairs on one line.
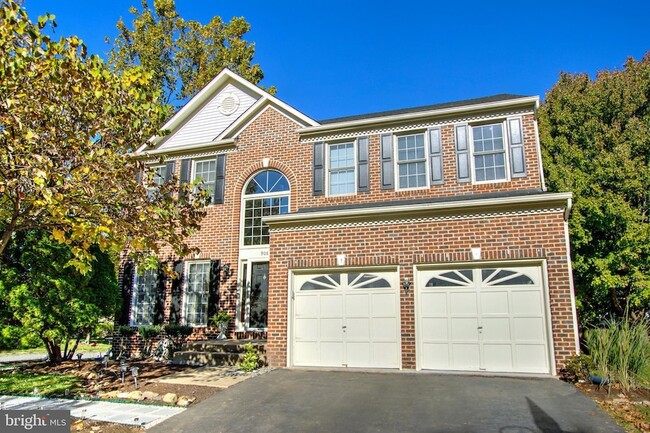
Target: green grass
[[83, 348], [47, 384]]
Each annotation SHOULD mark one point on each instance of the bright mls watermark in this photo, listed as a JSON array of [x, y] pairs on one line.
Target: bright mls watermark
[[35, 421]]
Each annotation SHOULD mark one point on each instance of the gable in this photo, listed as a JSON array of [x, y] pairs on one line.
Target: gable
[[210, 120]]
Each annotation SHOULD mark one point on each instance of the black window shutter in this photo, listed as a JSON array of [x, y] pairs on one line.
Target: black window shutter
[[185, 171], [126, 290], [363, 181], [213, 295], [387, 177], [517, 155], [462, 154], [435, 155], [319, 169], [161, 288], [170, 166], [220, 183], [177, 289]]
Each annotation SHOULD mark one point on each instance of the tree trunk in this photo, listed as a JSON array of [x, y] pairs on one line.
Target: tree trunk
[[53, 351]]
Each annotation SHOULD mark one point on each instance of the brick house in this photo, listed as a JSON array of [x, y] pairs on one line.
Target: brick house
[[421, 238]]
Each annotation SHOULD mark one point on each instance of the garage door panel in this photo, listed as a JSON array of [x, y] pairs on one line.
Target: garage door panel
[[494, 302], [357, 329], [307, 329], [528, 329], [383, 304], [498, 357], [385, 329], [308, 306], [357, 305], [331, 354], [433, 304], [527, 302], [307, 353], [436, 356], [496, 329], [358, 354], [331, 329], [331, 306], [465, 356], [464, 329], [463, 303], [531, 357], [385, 354], [434, 328]]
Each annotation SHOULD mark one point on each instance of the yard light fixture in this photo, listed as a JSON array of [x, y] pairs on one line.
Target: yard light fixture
[[123, 369], [406, 284], [226, 272], [79, 355], [134, 372]]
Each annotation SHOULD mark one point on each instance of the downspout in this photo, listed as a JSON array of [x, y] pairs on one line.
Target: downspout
[[569, 206]]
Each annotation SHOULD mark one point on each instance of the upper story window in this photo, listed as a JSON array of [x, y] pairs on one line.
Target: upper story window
[[266, 194], [341, 169], [159, 177], [411, 161], [144, 297], [490, 152], [205, 170]]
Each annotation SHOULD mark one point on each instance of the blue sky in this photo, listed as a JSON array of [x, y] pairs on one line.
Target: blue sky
[[338, 58]]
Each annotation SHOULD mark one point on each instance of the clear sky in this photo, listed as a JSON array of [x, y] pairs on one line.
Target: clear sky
[[337, 58]]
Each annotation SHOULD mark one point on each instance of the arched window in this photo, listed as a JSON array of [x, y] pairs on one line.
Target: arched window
[[265, 194]]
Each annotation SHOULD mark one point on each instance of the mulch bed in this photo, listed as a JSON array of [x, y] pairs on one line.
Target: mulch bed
[[625, 407]]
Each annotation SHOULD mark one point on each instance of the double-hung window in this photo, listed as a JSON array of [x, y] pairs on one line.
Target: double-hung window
[[411, 161], [341, 169], [159, 176], [489, 152], [197, 290], [144, 297], [206, 171]]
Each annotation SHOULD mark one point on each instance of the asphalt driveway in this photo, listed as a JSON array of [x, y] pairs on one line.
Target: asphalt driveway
[[349, 402]]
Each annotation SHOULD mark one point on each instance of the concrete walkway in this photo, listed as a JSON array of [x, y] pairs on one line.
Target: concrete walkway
[[121, 413]]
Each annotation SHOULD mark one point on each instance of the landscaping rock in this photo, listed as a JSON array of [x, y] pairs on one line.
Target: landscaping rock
[[183, 402], [123, 395], [135, 395], [170, 398], [149, 395], [111, 394]]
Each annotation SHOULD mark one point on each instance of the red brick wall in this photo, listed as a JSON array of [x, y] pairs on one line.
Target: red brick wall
[[500, 238]]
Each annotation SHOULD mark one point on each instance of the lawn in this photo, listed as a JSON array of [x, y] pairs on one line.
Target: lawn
[[82, 348], [43, 384]]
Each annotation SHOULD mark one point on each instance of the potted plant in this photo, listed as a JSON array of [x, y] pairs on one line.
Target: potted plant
[[221, 321]]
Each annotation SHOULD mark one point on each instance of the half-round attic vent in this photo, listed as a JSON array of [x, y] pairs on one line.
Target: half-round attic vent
[[229, 103]]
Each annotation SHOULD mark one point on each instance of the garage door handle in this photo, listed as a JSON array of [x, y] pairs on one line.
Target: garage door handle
[[344, 327], [479, 328]]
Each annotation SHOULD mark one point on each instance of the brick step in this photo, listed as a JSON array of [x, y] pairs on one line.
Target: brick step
[[223, 346], [182, 357]]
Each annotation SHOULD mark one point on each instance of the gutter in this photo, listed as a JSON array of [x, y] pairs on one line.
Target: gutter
[[534, 100], [538, 201], [204, 147]]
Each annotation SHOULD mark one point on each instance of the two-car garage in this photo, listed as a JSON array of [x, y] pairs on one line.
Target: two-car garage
[[478, 318]]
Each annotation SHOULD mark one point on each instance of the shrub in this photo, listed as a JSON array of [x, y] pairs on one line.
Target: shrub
[[148, 333], [126, 330], [251, 359], [219, 318], [177, 334], [579, 367], [620, 350], [15, 337]]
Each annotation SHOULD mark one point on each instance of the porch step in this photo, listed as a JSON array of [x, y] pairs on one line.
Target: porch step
[[216, 352]]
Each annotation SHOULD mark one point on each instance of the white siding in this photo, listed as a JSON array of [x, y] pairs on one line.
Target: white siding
[[206, 124]]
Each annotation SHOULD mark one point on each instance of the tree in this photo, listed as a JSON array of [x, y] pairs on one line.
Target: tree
[[184, 56], [51, 299], [67, 123], [595, 137]]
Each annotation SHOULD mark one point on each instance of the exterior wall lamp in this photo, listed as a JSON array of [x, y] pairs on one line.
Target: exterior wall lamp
[[406, 284]]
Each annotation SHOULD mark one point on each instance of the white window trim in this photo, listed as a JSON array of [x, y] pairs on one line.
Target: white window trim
[[154, 186], [396, 164], [354, 166], [506, 147], [242, 208], [194, 177], [184, 302], [134, 286]]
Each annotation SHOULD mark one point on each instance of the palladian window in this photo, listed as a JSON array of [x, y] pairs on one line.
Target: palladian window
[[266, 194]]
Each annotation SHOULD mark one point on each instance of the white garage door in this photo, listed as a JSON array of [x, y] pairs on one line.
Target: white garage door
[[346, 320], [487, 319]]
